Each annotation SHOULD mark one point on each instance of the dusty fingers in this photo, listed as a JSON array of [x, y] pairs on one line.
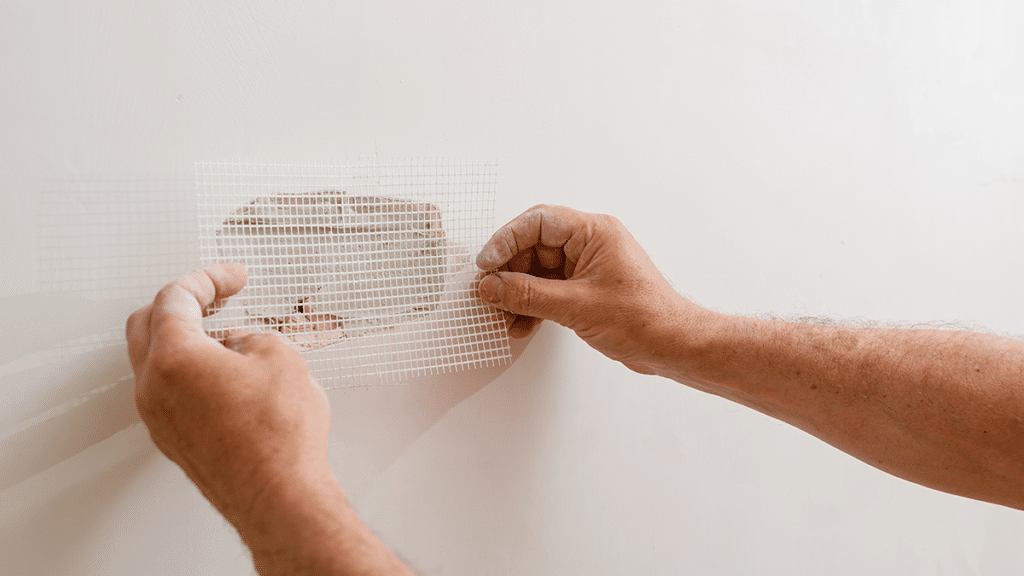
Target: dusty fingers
[[526, 295], [550, 226]]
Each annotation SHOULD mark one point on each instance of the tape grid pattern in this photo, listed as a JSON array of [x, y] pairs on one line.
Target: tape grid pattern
[[366, 269]]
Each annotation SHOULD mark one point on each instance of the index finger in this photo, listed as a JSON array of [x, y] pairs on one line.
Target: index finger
[[546, 225], [179, 306]]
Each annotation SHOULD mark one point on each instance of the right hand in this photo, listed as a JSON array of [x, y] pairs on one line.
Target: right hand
[[588, 273]]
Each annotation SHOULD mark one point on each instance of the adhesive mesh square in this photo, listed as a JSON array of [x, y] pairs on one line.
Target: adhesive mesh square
[[367, 270]]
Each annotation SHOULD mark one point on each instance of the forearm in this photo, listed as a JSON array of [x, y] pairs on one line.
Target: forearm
[[941, 408], [309, 528]]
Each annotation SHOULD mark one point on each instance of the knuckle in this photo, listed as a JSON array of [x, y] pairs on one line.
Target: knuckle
[[526, 296], [195, 280], [197, 284], [272, 344], [171, 295], [168, 290], [263, 341], [549, 213], [511, 242], [550, 209], [167, 365], [191, 284], [609, 221], [130, 326]]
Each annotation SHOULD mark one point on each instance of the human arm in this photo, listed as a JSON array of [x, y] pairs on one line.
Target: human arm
[[941, 408], [249, 425]]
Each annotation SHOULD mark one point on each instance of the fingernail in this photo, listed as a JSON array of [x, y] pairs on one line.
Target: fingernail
[[490, 288]]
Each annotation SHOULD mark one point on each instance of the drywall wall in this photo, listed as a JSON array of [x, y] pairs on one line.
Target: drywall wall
[[852, 159]]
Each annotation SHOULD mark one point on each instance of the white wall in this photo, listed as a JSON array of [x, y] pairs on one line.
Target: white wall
[[837, 157]]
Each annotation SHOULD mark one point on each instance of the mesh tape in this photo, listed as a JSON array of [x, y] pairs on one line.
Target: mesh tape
[[367, 270], [115, 238]]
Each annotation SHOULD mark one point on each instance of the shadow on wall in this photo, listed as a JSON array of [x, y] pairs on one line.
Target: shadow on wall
[[79, 502], [103, 249], [372, 427]]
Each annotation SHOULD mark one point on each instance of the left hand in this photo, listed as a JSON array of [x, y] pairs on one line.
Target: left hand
[[244, 419]]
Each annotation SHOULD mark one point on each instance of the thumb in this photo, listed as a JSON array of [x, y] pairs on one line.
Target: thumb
[[531, 296]]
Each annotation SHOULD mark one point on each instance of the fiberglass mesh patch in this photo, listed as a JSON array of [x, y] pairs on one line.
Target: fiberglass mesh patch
[[367, 270]]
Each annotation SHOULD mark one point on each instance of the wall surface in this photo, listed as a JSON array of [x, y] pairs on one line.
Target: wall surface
[[855, 159]]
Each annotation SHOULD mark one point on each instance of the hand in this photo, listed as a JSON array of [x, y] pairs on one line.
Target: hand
[[586, 272], [244, 419]]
